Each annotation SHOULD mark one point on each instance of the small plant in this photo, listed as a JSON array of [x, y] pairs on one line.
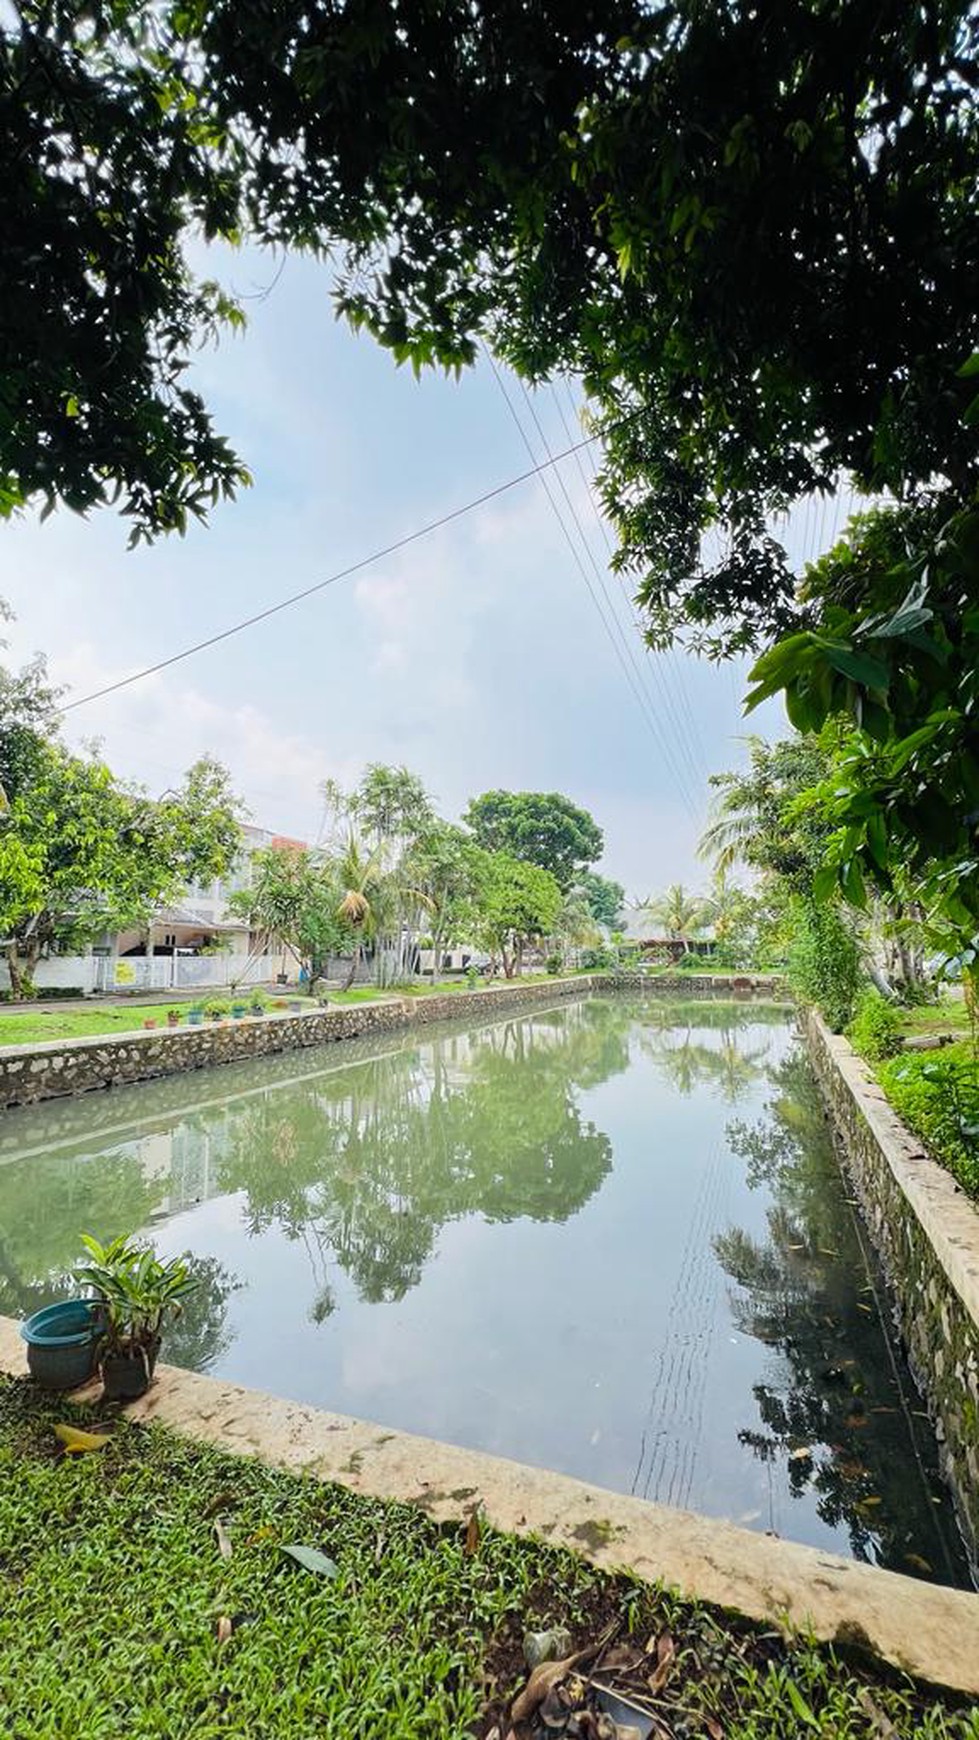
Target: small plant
[[553, 965], [216, 1008], [472, 977], [875, 1030], [257, 1003], [195, 1014], [138, 1295]]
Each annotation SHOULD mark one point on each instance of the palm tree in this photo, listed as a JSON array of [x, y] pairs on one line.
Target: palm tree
[[681, 914], [360, 878]]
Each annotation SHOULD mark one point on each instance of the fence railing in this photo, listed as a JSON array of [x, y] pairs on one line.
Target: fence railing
[[90, 973]]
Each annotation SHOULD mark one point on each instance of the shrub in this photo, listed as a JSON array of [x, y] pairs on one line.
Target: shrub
[[875, 1030], [824, 962], [216, 1007], [939, 1100], [553, 964], [599, 960]]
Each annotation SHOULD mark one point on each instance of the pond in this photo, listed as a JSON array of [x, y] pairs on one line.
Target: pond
[[608, 1237]]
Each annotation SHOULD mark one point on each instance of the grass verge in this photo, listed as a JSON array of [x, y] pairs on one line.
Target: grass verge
[[114, 1586]]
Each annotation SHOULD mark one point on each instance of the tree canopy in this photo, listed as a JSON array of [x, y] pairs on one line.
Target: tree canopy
[[542, 828], [750, 230]]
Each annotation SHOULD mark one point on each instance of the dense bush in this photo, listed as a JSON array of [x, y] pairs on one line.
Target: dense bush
[[939, 1100], [553, 965], [824, 961], [599, 960], [875, 1030]]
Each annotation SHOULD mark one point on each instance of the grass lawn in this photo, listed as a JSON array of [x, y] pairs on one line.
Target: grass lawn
[[31, 1028], [113, 1589], [950, 1015]]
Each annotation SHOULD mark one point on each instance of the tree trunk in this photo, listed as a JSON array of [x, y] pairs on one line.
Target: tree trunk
[[354, 963], [22, 958]]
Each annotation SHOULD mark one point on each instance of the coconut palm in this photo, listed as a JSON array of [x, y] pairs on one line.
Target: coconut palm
[[681, 914], [361, 879]]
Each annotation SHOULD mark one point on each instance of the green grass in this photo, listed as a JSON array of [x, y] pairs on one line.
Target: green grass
[[949, 1015], [936, 1093], [112, 1587], [32, 1028]]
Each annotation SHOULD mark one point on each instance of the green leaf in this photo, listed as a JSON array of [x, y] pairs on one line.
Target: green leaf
[[859, 667], [799, 1705], [311, 1559], [969, 368]]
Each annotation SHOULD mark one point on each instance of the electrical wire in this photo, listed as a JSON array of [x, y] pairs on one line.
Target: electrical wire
[[662, 742], [331, 579], [688, 732]]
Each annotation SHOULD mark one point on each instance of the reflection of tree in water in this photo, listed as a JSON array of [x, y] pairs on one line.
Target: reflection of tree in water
[[841, 1420], [45, 1203], [674, 1038], [44, 1206], [200, 1335], [367, 1163]]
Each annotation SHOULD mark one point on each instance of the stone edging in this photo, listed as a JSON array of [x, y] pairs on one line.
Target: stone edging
[[30, 1073], [922, 1628], [926, 1232]]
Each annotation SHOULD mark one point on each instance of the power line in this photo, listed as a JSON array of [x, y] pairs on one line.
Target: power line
[[677, 705], [642, 700], [332, 579]]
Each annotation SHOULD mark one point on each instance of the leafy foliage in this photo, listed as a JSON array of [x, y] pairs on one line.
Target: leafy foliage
[[875, 1030], [516, 903], [939, 1099], [543, 828], [293, 899], [824, 960], [82, 852], [605, 898]]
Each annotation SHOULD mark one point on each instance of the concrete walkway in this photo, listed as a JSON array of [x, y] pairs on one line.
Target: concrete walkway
[[926, 1630]]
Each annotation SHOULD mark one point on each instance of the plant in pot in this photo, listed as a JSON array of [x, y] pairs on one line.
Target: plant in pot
[[138, 1295], [195, 1014], [257, 1003], [215, 1009], [173, 1017]]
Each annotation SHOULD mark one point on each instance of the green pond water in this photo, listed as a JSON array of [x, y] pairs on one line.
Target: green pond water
[[609, 1237]]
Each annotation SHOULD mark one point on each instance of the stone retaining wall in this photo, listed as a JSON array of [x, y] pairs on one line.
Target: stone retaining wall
[[926, 1231], [30, 1073]]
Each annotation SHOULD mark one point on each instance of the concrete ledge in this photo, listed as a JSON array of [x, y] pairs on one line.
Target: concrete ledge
[[927, 1631], [926, 1232]]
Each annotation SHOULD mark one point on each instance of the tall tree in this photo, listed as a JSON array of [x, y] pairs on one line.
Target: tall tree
[[682, 915], [293, 901], [605, 898], [81, 852], [540, 827], [750, 228], [517, 903]]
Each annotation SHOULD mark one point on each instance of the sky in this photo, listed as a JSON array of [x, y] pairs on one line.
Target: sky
[[497, 652]]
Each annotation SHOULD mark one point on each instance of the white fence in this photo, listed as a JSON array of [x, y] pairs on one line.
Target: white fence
[[88, 973]]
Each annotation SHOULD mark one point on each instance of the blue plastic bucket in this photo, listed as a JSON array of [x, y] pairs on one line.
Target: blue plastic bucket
[[62, 1343]]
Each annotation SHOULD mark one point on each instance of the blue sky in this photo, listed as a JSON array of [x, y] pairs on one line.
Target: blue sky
[[476, 656]]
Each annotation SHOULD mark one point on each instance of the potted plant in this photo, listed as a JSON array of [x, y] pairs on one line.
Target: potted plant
[[63, 1343], [136, 1295], [215, 1009], [296, 1005], [150, 1022], [173, 1017], [257, 1003], [239, 1011], [195, 1014]]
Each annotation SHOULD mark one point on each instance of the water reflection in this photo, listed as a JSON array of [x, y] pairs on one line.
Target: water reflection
[[839, 1416], [542, 1237]]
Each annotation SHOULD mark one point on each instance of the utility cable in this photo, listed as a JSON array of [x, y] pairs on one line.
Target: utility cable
[[332, 579], [652, 722], [688, 731], [692, 771]]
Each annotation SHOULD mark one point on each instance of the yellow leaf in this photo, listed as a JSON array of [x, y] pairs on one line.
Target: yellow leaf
[[77, 1442]]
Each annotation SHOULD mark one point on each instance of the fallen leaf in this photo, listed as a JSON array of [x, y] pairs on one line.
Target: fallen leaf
[[311, 1559], [714, 1728], [622, 1659], [551, 1673], [665, 1652], [474, 1534], [223, 1539], [224, 1628], [265, 1533], [220, 1502], [76, 1442]]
